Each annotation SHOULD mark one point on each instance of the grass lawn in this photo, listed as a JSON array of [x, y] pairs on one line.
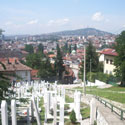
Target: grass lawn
[[113, 93], [69, 99], [85, 112]]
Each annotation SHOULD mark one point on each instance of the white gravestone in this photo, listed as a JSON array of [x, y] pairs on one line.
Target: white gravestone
[[61, 111], [36, 112], [13, 111], [92, 111], [4, 114], [78, 100], [55, 110]]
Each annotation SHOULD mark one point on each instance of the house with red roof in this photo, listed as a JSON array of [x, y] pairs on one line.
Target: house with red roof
[[108, 57], [15, 69]]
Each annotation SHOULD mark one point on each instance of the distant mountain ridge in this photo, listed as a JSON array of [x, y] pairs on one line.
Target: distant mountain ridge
[[82, 32]]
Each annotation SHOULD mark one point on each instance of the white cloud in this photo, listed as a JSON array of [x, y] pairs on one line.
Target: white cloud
[[97, 16], [124, 26], [58, 22], [33, 22], [8, 23]]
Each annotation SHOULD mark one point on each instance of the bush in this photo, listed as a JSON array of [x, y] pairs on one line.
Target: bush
[[73, 116], [101, 76]]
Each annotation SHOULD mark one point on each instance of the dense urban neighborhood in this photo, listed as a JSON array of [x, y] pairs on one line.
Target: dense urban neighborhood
[[62, 62]]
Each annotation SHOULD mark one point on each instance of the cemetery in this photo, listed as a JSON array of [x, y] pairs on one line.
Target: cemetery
[[42, 103]]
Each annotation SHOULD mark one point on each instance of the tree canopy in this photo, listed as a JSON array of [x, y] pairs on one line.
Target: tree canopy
[[29, 48], [59, 63], [119, 61]]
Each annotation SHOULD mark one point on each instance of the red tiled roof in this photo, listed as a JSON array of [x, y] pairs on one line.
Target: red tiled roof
[[34, 72], [51, 55], [13, 64], [111, 52]]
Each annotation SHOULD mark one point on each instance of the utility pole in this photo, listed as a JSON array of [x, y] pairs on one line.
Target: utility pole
[[90, 71], [84, 70]]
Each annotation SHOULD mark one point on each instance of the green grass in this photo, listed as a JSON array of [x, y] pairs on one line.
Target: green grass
[[42, 113], [105, 93], [85, 112], [69, 99], [113, 93], [116, 88], [66, 107], [68, 122]]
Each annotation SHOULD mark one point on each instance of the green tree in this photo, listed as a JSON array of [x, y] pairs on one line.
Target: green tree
[[34, 60], [40, 48], [91, 59], [75, 47], [46, 71], [73, 116], [59, 63], [4, 84], [29, 48], [119, 61], [70, 49]]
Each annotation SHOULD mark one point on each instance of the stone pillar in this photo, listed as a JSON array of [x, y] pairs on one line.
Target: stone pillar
[[78, 100], [61, 111], [36, 112], [28, 120], [55, 110], [4, 115], [63, 93], [48, 102], [38, 102], [31, 110], [13, 111], [92, 111]]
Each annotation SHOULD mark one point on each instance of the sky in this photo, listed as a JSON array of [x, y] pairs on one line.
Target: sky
[[45, 16]]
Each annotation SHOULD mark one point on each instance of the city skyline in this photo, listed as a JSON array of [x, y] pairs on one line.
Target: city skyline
[[37, 17]]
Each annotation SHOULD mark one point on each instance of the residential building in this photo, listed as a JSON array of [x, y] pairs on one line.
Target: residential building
[[15, 69], [109, 55]]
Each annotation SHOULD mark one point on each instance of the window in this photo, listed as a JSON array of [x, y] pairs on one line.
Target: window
[[26, 73], [107, 61], [106, 71], [111, 61], [110, 72]]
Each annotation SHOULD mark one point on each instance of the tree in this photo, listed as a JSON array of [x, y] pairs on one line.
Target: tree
[[59, 63], [46, 71], [40, 48], [34, 60], [70, 49], [119, 60], [91, 57], [75, 47], [73, 116], [29, 48], [4, 84]]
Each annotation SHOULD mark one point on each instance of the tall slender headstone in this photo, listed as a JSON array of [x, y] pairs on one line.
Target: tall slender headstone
[[61, 111], [78, 100], [92, 111], [28, 120], [13, 110], [55, 110], [36, 112], [4, 115]]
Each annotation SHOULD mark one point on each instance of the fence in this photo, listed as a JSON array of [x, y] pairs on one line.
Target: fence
[[120, 112]]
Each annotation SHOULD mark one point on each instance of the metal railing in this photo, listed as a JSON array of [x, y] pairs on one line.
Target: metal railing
[[120, 112]]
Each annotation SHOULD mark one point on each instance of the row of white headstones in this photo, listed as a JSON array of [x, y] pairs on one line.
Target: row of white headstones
[[55, 95]]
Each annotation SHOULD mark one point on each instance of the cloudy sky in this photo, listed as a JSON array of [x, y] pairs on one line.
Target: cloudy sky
[[43, 16]]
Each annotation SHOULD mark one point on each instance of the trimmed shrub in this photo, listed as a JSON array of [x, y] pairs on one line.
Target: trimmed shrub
[[73, 116]]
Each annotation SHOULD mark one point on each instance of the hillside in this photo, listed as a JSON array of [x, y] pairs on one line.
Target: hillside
[[82, 32]]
